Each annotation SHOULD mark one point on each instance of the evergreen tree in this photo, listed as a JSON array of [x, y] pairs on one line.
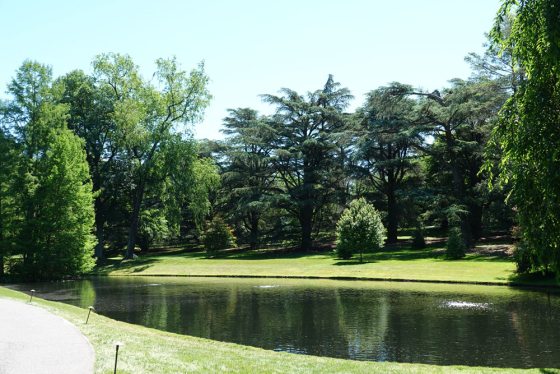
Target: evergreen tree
[[9, 212], [387, 148], [459, 119], [52, 186], [248, 177], [305, 157], [359, 229], [63, 240]]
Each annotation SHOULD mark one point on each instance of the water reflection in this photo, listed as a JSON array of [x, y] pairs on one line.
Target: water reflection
[[439, 324]]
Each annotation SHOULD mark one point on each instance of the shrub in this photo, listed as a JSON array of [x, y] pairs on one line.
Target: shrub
[[359, 229], [455, 248], [418, 240], [218, 235], [523, 258]]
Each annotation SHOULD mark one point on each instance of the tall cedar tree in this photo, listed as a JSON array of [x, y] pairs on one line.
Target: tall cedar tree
[[305, 154], [458, 118], [248, 177], [387, 148]]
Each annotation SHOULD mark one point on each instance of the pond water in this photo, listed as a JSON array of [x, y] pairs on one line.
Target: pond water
[[379, 321]]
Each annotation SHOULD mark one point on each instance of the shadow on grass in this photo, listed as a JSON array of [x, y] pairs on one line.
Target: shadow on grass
[[402, 251], [549, 371], [260, 255], [535, 279], [485, 258], [350, 263], [404, 255], [129, 266]]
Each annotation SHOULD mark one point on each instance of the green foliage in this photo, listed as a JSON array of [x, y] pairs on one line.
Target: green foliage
[[9, 212], [459, 118], [525, 261], [153, 227], [308, 155], [359, 229], [51, 195], [218, 235], [152, 120], [63, 241], [206, 180], [387, 149], [455, 247], [248, 176], [528, 133]]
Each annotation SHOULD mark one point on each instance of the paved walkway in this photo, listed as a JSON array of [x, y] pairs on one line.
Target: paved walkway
[[34, 341]]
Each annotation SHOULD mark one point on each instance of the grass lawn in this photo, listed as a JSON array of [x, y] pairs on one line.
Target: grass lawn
[[147, 350], [401, 263]]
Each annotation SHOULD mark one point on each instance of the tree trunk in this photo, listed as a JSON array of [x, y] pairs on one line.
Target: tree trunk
[[306, 208], [306, 221], [99, 213], [392, 218], [1, 241], [100, 234], [134, 219], [254, 231], [475, 215], [458, 188]]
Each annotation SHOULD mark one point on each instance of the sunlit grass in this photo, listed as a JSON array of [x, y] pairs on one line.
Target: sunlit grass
[[391, 264], [148, 350]]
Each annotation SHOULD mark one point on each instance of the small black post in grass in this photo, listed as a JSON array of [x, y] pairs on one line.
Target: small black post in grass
[[31, 296], [117, 345], [88, 313]]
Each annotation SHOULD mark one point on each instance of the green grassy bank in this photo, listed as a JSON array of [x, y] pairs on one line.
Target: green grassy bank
[[401, 263], [147, 350]]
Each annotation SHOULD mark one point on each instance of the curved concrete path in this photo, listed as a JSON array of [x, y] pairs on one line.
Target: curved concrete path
[[35, 341]]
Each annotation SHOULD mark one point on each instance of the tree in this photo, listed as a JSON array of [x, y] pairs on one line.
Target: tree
[[359, 229], [63, 243], [455, 247], [150, 117], [387, 148], [248, 176], [9, 212], [459, 118], [528, 133], [305, 154], [498, 66], [52, 182], [217, 236], [90, 117]]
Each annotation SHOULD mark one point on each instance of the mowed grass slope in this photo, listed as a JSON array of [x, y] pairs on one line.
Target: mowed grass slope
[[148, 350], [401, 263]]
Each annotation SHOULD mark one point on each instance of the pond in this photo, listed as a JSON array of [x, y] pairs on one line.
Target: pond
[[379, 321]]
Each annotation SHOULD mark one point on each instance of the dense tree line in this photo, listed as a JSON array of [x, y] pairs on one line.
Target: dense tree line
[[416, 155], [102, 160], [92, 164]]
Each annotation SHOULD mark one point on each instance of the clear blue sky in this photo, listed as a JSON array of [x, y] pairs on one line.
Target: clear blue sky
[[253, 47]]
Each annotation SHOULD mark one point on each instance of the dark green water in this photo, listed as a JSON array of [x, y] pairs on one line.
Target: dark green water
[[379, 321]]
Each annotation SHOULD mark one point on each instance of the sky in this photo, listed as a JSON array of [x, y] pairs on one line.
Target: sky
[[254, 47]]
